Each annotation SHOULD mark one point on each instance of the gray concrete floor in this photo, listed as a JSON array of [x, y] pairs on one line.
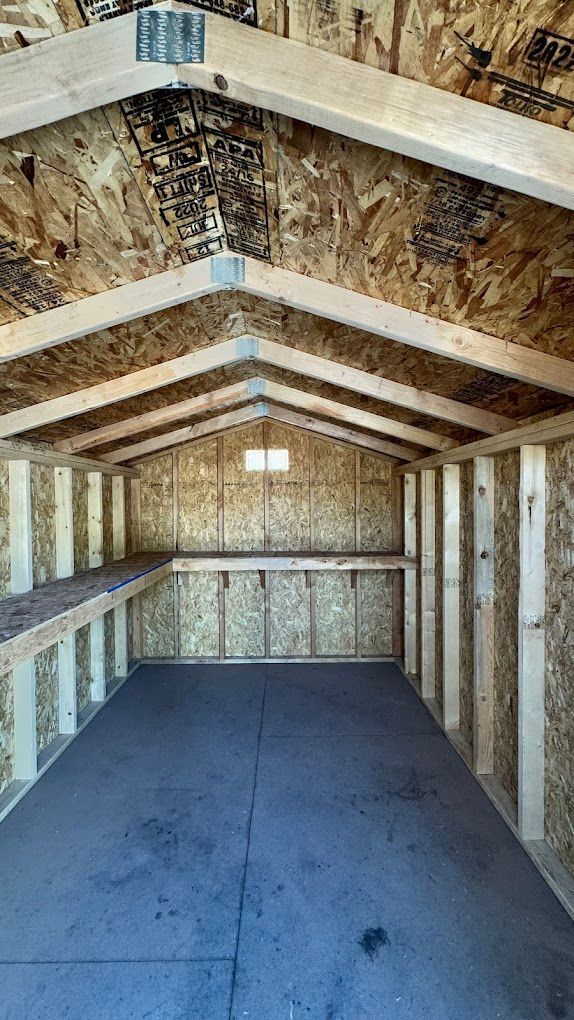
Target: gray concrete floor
[[284, 842]]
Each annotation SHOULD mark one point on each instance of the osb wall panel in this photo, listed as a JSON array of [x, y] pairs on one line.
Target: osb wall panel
[[6, 731], [199, 614], [333, 497], [244, 616], [4, 531], [108, 518], [289, 614], [43, 503], [466, 599], [109, 646], [289, 491], [375, 508], [243, 507], [157, 504], [376, 612], [128, 516], [130, 624], [506, 584], [559, 778], [83, 672], [47, 725], [157, 609], [80, 519], [335, 613], [438, 585], [197, 497]]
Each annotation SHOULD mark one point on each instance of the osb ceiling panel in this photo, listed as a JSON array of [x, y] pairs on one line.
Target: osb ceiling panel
[[154, 339]]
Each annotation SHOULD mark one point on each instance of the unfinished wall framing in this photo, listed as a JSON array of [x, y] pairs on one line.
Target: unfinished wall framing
[[332, 498]]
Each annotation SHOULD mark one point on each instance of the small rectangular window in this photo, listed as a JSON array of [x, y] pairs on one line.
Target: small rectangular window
[[255, 460], [278, 460]]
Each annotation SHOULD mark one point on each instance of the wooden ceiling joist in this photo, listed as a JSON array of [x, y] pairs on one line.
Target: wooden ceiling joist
[[246, 390], [549, 430], [69, 322], [251, 349], [244, 415], [96, 65]]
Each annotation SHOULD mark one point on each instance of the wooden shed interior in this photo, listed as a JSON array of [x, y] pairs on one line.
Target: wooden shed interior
[[287, 364]]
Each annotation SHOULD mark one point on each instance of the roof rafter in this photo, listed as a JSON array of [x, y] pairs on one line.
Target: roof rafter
[[229, 352], [424, 332], [252, 412], [95, 65], [246, 390]]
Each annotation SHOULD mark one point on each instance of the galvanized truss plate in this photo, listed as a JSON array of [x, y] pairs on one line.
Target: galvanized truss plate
[[170, 37], [228, 269]]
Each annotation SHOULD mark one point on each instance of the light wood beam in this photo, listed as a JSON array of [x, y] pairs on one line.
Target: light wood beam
[[161, 416], [272, 353], [243, 391], [451, 596], [73, 72], [483, 716], [249, 348], [67, 698], [424, 332], [78, 318], [210, 427], [22, 580], [428, 593], [119, 551], [10, 451], [549, 430], [95, 559], [410, 583], [341, 433], [531, 643]]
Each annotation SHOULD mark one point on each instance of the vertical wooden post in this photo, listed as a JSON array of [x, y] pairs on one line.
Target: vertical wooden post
[[358, 607], [531, 642], [313, 576], [67, 709], [410, 537], [22, 580], [220, 545], [428, 594], [119, 551], [397, 490], [136, 544], [451, 596], [483, 720], [96, 558]]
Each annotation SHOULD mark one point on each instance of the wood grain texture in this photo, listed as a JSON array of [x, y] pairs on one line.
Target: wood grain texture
[[80, 520], [289, 614], [46, 697], [6, 731], [157, 503], [376, 600], [466, 599], [244, 616], [197, 497], [4, 531], [199, 615], [42, 495], [439, 581], [289, 491], [375, 509], [83, 671], [158, 620], [506, 582], [335, 615], [334, 497], [242, 491], [559, 761]]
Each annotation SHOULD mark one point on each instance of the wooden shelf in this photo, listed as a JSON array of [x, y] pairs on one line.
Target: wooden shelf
[[34, 621]]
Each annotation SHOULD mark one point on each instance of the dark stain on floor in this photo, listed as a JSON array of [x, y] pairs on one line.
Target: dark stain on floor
[[372, 940]]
